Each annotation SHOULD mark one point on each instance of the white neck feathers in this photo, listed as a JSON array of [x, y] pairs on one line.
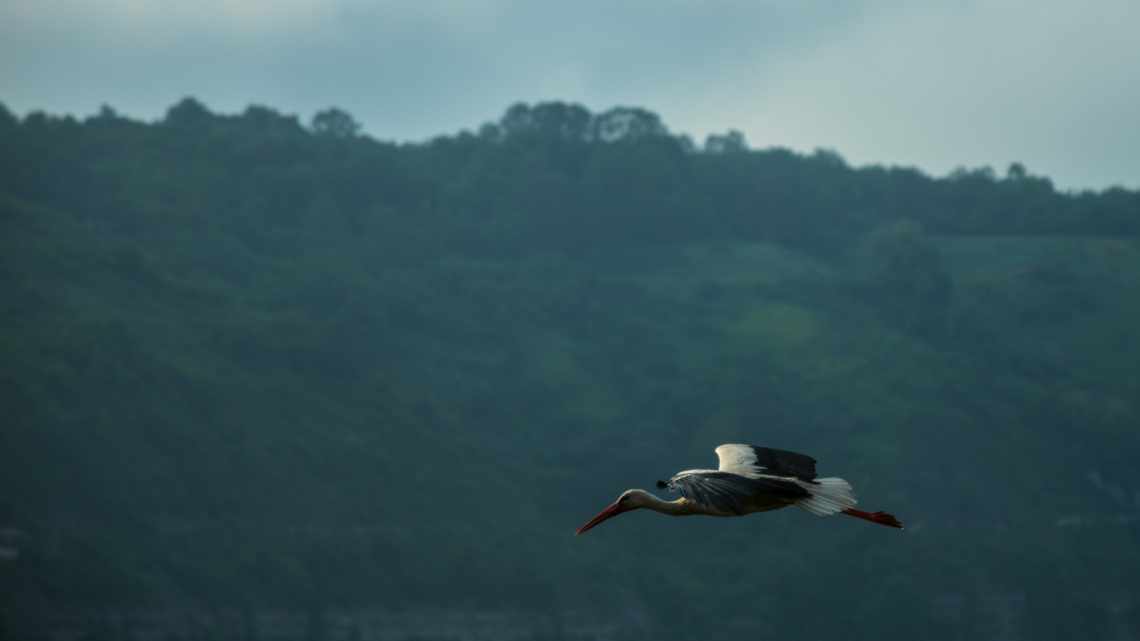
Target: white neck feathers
[[680, 507]]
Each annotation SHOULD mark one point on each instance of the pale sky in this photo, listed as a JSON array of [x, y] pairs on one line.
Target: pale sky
[[1054, 85]]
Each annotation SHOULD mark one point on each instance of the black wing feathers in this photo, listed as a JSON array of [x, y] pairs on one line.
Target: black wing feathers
[[730, 492], [785, 463]]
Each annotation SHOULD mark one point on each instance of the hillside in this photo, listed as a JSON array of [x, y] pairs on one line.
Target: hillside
[[252, 366]]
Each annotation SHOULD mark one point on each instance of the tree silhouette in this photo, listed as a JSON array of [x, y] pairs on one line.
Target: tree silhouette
[[334, 123], [187, 113], [729, 142]]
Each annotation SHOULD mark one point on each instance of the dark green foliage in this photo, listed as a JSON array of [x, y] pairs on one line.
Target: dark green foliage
[[334, 123], [188, 113], [732, 142], [255, 366], [906, 272], [8, 120]]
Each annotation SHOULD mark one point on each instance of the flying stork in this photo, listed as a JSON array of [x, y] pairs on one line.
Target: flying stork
[[749, 479]]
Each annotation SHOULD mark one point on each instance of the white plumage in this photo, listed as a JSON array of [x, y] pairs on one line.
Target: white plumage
[[829, 496], [738, 459]]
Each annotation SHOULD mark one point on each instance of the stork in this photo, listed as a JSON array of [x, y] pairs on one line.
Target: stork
[[749, 479]]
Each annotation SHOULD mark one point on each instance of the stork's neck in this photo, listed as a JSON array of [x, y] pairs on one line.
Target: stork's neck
[[680, 507]]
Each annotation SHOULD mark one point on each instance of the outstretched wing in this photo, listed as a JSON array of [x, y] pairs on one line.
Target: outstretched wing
[[753, 461], [732, 493]]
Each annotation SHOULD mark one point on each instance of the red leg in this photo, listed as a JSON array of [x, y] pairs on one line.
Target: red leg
[[882, 518]]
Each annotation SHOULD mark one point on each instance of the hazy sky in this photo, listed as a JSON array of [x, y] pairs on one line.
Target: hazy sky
[[1055, 85]]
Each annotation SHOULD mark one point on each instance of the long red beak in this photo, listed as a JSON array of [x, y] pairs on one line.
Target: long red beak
[[608, 513]]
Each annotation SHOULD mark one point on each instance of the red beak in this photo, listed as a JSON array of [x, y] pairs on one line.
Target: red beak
[[608, 513]]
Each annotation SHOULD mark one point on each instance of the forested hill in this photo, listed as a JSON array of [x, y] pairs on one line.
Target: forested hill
[[548, 177], [252, 366]]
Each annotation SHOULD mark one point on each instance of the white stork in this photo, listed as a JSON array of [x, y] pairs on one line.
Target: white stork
[[749, 479]]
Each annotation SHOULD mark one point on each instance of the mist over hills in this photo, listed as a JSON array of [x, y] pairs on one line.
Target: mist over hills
[[255, 366]]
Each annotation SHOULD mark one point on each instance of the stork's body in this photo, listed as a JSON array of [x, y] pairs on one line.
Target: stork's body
[[749, 479]]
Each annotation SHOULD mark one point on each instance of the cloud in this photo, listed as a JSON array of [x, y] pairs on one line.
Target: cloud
[[965, 85], [879, 80]]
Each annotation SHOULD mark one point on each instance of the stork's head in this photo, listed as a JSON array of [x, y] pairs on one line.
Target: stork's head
[[628, 501]]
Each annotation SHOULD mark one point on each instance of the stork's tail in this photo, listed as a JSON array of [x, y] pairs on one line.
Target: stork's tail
[[834, 496], [828, 496]]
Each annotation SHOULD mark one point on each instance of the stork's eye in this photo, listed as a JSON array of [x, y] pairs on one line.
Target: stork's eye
[[623, 499]]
